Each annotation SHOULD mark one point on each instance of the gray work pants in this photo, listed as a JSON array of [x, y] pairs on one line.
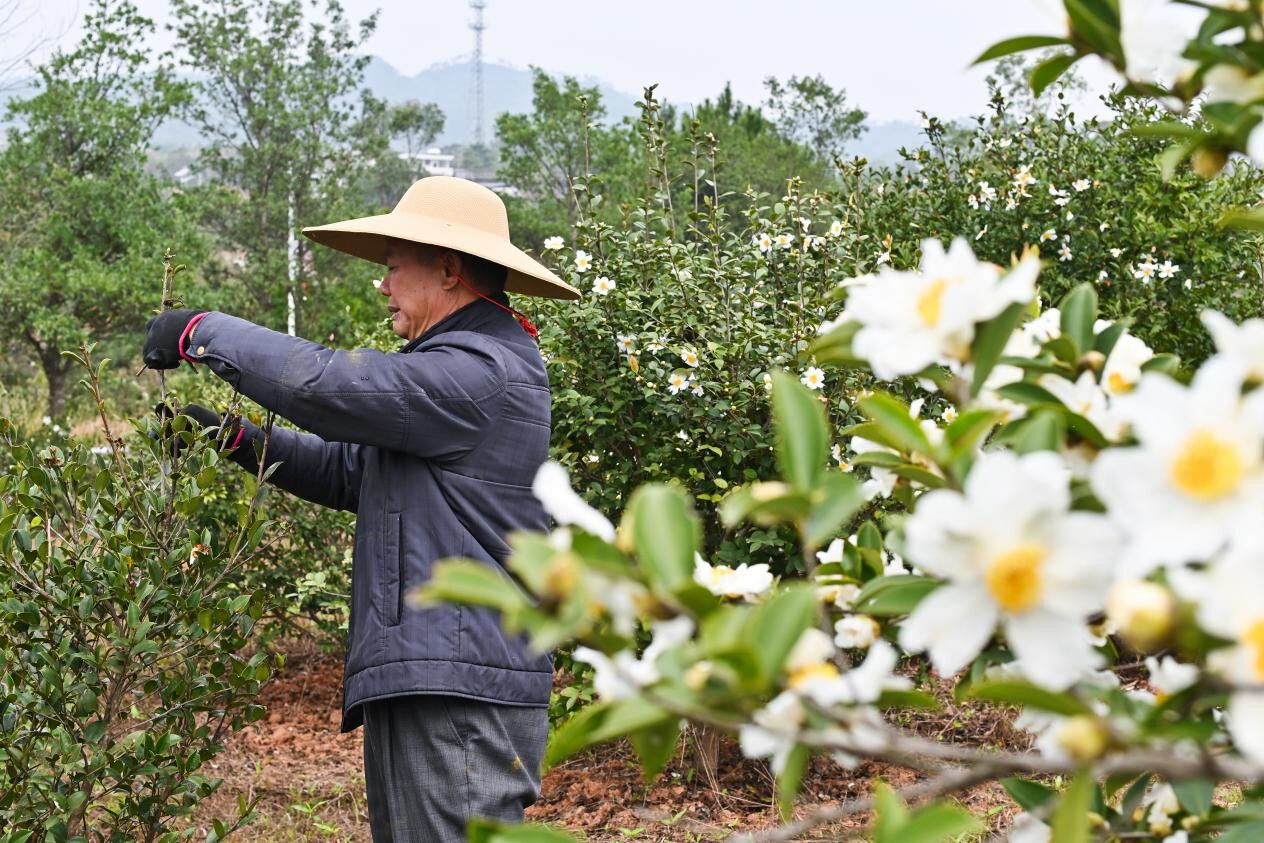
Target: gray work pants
[[432, 763]]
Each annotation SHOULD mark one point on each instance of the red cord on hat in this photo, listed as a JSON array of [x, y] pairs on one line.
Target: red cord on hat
[[532, 330]]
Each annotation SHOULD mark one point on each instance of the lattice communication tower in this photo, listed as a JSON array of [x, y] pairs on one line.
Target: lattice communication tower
[[478, 26]]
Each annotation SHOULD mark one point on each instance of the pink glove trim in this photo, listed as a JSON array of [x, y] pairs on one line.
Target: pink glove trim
[[241, 431], [188, 329]]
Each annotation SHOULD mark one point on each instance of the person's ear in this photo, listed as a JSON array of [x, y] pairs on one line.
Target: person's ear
[[450, 264]]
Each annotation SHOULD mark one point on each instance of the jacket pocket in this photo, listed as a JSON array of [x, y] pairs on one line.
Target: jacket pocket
[[392, 571]]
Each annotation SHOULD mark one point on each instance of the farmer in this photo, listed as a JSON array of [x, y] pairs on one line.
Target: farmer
[[434, 447]]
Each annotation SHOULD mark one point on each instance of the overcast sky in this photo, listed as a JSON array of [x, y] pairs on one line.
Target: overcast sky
[[893, 56]]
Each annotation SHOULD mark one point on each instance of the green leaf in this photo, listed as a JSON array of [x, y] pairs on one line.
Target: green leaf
[[892, 417], [1020, 693], [665, 533], [490, 831], [1097, 22], [937, 823], [602, 721], [1105, 341], [1025, 392], [990, 341], [1028, 794], [1047, 72], [1079, 312], [1246, 219], [764, 504], [890, 814], [894, 595], [840, 500], [1165, 129], [471, 583], [921, 700], [775, 625], [1070, 818], [1252, 832], [1042, 431], [655, 745], [1168, 364], [1019, 44], [969, 430], [1171, 158], [1195, 795], [802, 433], [791, 779]]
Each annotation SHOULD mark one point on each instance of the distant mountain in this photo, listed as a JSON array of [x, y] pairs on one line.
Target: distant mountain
[[451, 87], [881, 141]]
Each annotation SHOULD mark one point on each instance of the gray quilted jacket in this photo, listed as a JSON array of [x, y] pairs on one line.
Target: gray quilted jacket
[[434, 448]]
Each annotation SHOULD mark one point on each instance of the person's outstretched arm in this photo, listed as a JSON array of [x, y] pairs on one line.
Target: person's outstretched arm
[[433, 403]]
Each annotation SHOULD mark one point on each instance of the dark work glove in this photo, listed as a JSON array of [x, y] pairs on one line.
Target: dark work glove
[[162, 337]]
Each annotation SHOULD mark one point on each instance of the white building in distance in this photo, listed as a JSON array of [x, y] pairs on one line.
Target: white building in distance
[[435, 161]]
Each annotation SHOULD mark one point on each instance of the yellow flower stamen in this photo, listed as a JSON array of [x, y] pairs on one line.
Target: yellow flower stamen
[[1207, 467], [1254, 640], [930, 301], [820, 670], [1117, 383], [1014, 578]]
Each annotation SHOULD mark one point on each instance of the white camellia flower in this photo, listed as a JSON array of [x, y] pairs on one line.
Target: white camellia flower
[[583, 261], [1064, 252], [1167, 269], [552, 243], [1154, 34], [625, 675], [774, 730], [1049, 234], [881, 481], [1230, 83], [677, 382], [1144, 271], [843, 596], [626, 342], [1163, 803], [855, 632], [1244, 344], [1013, 554], [1044, 327], [1170, 676], [602, 285], [1029, 829], [836, 228], [1081, 185], [784, 240], [1123, 367], [745, 581], [625, 601], [813, 378], [689, 356], [1231, 608], [1195, 481], [911, 320], [825, 685], [1086, 398], [552, 487], [763, 241]]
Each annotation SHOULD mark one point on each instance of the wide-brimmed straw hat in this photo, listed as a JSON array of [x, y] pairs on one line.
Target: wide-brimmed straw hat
[[455, 214]]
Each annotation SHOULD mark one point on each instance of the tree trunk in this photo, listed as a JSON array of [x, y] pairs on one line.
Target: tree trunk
[[57, 371]]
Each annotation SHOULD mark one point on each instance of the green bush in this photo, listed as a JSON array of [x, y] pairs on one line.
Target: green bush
[[125, 632]]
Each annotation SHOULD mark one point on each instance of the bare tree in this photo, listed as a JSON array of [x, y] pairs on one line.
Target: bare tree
[[21, 41]]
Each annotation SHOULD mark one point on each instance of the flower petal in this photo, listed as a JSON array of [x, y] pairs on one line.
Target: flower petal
[[952, 623]]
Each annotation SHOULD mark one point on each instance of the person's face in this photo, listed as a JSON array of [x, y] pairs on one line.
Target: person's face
[[417, 295]]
